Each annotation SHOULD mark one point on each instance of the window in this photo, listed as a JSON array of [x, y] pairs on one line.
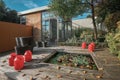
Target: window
[[22, 20], [49, 26]]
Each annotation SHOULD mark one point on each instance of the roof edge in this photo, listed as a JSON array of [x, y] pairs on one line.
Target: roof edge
[[33, 10]]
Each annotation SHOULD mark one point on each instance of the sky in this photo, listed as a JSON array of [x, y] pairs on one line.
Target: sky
[[22, 5]]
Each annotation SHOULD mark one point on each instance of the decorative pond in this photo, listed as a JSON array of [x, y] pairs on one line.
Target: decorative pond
[[83, 61]]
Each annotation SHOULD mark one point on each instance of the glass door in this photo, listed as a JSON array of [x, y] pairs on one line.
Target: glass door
[[45, 30]]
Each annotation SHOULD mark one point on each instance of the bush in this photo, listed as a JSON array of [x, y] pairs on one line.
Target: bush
[[71, 42], [113, 40]]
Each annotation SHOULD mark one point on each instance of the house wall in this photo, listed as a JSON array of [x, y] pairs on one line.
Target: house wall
[[8, 32], [34, 19]]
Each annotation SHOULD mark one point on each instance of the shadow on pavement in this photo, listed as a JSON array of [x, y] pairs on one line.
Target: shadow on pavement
[[12, 75], [34, 64], [6, 53]]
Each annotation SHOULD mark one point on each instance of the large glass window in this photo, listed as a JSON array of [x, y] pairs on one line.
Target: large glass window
[[45, 29], [48, 26], [47, 15]]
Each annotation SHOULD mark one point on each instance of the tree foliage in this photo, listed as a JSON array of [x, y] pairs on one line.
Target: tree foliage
[[67, 9], [7, 14], [113, 40], [2, 10], [108, 11]]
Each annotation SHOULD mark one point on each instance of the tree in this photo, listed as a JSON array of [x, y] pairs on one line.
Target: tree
[[7, 14], [2, 10], [108, 12], [12, 16], [92, 4], [66, 10]]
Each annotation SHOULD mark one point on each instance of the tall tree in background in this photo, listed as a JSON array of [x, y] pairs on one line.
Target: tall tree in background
[[2, 10], [7, 14], [108, 12], [92, 6], [66, 10]]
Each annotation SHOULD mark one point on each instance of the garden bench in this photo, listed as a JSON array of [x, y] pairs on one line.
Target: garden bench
[[23, 44]]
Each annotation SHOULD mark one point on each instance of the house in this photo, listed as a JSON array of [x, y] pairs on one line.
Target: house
[[44, 23], [46, 26]]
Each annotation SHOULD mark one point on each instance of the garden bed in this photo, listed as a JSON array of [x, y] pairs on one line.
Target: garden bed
[[82, 61]]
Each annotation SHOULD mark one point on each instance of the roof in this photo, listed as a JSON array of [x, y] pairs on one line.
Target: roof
[[33, 10]]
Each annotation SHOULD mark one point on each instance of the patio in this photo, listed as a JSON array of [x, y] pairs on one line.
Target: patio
[[37, 70]]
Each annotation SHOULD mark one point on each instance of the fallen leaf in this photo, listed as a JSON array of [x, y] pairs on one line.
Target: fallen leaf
[[19, 70], [81, 67], [70, 71], [23, 75], [98, 76], [58, 67], [84, 72], [65, 64], [100, 69], [46, 77], [88, 66], [40, 71], [31, 78], [37, 74], [3, 61], [2, 65], [59, 76], [84, 79]]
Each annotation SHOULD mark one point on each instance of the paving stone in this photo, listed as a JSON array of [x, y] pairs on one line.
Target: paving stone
[[35, 70]]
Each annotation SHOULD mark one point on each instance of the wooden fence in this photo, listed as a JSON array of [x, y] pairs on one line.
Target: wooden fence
[[8, 32]]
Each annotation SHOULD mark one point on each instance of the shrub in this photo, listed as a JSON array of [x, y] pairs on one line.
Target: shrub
[[113, 40], [71, 42]]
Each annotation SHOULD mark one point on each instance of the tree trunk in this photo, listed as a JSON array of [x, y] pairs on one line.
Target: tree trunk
[[93, 19], [63, 31], [71, 29], [67, 35]]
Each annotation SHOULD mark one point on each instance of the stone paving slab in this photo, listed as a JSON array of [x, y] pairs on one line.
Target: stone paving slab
[[35, 70], [3, 76]]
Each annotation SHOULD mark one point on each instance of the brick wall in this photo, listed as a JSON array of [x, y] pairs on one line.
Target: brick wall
[[34, 19], [8, 32]]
